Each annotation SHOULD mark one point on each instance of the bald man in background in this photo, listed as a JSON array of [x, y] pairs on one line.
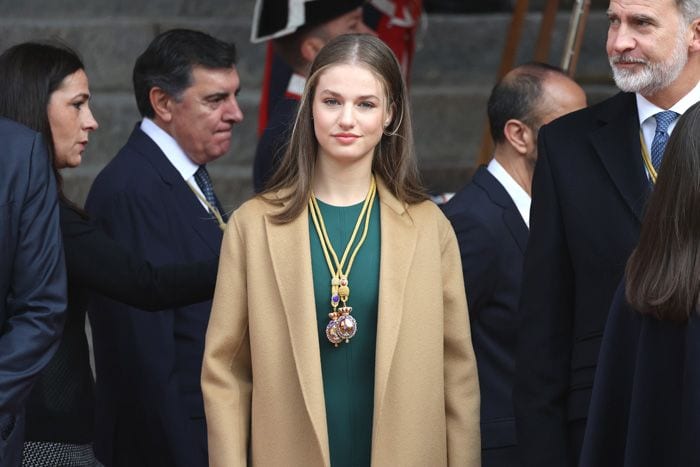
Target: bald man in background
[[491, 219]]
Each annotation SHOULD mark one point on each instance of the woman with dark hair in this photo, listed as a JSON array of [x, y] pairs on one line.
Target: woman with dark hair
[[44, 87], [351, 344], [645, 407]]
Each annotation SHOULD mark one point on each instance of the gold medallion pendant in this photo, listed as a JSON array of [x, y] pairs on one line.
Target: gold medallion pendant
[[342, 326]]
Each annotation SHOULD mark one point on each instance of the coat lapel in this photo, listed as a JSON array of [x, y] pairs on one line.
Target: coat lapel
[[203, 224], [398, 243], [517, 228], [511, 216], [621, 156], [290, 252]]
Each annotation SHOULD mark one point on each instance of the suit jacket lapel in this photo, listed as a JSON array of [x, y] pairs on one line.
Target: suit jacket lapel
[[511, 216], [398, 242], [205, 225], [517, 227], [617, 145], [290, 253], [197, 217]]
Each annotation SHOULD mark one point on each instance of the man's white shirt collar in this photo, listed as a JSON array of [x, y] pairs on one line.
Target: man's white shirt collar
[[646, 111], [519, 196], [174, 153]]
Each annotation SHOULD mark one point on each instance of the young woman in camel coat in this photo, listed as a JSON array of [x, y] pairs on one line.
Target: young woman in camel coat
[[402, 391]]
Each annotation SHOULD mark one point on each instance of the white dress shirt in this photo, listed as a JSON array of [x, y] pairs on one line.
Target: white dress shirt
[[519, 196], [646, 111], [175, 155]]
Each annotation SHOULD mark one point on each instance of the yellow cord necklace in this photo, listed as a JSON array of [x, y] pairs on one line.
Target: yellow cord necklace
[[342, 326], [647, 159]]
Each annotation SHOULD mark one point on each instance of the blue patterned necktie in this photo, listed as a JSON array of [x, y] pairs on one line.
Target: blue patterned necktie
[[663, 120], [201, 176]]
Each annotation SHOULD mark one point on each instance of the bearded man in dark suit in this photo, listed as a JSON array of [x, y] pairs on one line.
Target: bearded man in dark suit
[[594, 173], [156, 198], [490, 217]]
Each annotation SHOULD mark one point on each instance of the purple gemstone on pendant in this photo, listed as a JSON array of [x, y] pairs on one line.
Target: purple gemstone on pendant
[[335, 299]]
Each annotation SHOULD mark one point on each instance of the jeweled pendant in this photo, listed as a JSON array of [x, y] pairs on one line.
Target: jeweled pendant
[[347, 325], [346, 328], [332, 332], [341, 327]]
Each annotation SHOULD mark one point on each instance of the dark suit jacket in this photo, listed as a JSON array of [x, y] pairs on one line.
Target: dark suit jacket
[[60, 407], [492, 239], [589, 192], [645, 408], [273, 143], [32, 276], [149, 403]]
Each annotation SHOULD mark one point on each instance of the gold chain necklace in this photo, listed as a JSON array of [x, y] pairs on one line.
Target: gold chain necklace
[[212, 209], [342, 326], [647, 159]]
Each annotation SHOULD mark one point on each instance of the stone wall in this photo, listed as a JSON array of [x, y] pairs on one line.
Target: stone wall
[[454, 69]]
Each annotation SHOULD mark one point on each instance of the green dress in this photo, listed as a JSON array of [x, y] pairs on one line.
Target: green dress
[[348, 370]]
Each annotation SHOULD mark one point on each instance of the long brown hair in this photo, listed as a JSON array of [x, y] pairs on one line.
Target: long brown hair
[[29, 73], [394, 158], [663, 272]]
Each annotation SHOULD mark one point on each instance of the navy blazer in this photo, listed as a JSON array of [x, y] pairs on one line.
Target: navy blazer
[[492, 238], [149, 407], [95, 262], [645, 408], [32, 276], [589, 192]]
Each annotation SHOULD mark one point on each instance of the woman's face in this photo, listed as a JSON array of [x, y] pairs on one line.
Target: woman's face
[[70, 119], [349, 112]]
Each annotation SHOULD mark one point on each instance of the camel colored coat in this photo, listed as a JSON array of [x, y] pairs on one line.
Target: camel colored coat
[[262, 382]]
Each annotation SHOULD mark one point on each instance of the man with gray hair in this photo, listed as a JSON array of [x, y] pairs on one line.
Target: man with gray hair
[[156, 198], [595, 170]]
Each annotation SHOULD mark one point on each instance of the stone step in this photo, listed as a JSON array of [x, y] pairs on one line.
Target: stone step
[[454, 69], [459, 49], [448, 129], [452, 50], [109, 46], [79, 9]]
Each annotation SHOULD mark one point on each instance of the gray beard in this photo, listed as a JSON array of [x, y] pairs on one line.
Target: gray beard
[[653, 77]]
